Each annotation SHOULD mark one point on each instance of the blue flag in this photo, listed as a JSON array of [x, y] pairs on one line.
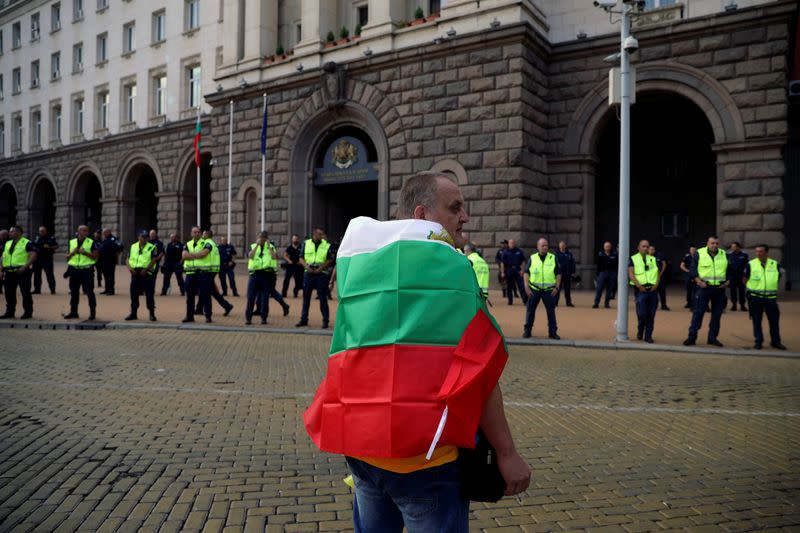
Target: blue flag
[[264, 133]]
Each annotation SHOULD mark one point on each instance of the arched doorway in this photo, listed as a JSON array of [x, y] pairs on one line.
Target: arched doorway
[[140, 201], [673, 175], [345, 182], [43, 206], [189, 195], [87, 204], [8, 205]]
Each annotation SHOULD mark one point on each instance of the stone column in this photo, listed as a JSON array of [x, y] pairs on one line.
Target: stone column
[[168, 212], [382, 15], [310, 30], [232, 38], [260, 28]]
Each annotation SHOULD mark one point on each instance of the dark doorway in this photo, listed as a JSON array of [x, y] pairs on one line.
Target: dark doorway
[[8, 206], [673, 176], [146, 202], [343, 203], [43, 207], [87, 203]]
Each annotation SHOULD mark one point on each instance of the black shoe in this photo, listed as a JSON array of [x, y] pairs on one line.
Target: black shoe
[[285, 309], [198, 311], [325, 325], [570, 305], [183, 294], [153, 317], [733, 307], [639, 336], [36, 292], [743, 308], [7, 315], [91, 317], [187, 319], [26, 316], [131, 316], [665, 308], [228, 310], [263, 321], [687, 306], [301, 324], [108, 293], [715, 342], [690, 342], [649, 340], [248, 322], [235, 294], [526, 334], [595, 306], [163, 294], [52, 292], [776, 345], [607, 306], [69, 315], [208, 320], [757, 346], [555, 337]]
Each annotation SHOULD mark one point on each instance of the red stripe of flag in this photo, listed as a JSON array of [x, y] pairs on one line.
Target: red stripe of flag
[[197, 143]]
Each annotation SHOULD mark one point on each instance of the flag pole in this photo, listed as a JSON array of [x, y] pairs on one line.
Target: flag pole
[[230, 168], [263, 171], [197, 167]]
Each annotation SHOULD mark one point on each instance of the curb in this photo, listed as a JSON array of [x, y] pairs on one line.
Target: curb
[[592, 345]]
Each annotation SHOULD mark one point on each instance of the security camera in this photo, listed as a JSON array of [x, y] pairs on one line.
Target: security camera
[[605, 4], [630, 44]]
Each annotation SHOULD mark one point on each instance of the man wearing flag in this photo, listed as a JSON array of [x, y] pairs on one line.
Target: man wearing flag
[[414, 366]]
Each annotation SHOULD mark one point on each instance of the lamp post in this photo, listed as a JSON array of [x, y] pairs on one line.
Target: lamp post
[[624, 174]]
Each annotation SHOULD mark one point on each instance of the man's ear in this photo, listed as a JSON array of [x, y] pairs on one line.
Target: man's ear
[[419, 212]]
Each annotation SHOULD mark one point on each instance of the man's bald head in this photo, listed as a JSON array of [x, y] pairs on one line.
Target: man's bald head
[[435, 197]]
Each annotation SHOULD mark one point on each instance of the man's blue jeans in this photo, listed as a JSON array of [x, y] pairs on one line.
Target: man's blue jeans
[[426, 501]]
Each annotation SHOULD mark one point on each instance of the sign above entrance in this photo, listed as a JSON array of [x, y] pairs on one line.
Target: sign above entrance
[[345, 162]]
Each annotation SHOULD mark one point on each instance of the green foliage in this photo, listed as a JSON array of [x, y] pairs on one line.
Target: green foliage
[[343, 33], [357, 31], [279, 50], [330, 37], [419, 13]]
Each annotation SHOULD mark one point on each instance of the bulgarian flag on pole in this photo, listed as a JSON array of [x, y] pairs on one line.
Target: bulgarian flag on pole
[[197, 140], [414, 354]]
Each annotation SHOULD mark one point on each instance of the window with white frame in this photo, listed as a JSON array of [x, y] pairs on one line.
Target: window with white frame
[[1, 86], [16, 133], [655, 4], [77, 10], [36, 128], [55, 65], [16, 80], [16, 35], [102, 48], [362, 15], [193, 86], [159, 94], [102, 4], [159, 26], [55, 122], [55, 17], [1, 42], [34, 73], [129, 103], [35, 27], [103, 100], [77, 57], [129, 37], [2, 139], [434, 6], [77, 115], [192, 14]]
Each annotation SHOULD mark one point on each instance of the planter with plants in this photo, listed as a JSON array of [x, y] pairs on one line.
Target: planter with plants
[[344, 36], [279, 52], [433, 16], [419, 17], [357, 32], [330, 40]]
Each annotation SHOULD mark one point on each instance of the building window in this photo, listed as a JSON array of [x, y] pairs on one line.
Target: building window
[[362, 15], [1, 42], [655, 4], [2, 139], [192, 10], [36, 129], [35, 27], [129, 38], [298, 32], [102, 48], [159, 26], [102, 4], [16, 80], [77, 116], [34, 74], [674, 225], [77, 10], [55, 123], [16, 36], [159, 95], [55, 17], [1, 86], [130, 104], [103, 99], [77, 58], [55, 66], [16, 132], [194, 93]]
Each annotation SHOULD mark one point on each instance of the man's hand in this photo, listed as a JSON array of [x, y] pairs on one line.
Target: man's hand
[[554, 292], [515, 472], [528, 291], [725, 285], [702, 284], [654, 288]]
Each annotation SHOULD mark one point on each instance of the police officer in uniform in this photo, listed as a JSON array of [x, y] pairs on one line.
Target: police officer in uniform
[[197, 266], [46, 246], [566, 264], [227, 254], [480, 267], [214, 263], [761, 277], [686, 268], [316, 257], [263, 267], [294, 270], [606, 274], [513, 261], [737, 262], [142, 264], [3, 241], [81, 259], [663, 276], [160, 251], [645, 275], [16, 264], [108, 258], [710, 273], [542, 281], [172, 264]]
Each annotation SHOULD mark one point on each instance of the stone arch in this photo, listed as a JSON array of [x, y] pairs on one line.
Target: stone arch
[[185, 180], [77, 172], [41, 210], [80, 210], [137, 157], [9, 205], [139, 184], [692, 83], [452, 167]]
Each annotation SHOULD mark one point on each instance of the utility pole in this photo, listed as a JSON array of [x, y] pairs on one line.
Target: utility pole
[[624, 171]]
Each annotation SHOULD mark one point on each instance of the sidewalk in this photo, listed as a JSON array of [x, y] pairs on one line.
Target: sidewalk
[[580, 323]]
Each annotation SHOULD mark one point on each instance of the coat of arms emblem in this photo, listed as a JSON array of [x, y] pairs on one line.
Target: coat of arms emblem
[[344, 154]]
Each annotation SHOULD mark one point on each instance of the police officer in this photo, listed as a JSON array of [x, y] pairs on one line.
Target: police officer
[[513, 260], [197, 266], [81, 259], [606, 274], [214, 263], [761, 277], [172, 264], [316, 257], [737, 261], [160, 251], [566, 265], [645, 275], [501, 279], [542, 280], [3, 241], [263, 267], [107, 260], [663, 275], [98, 238], [710, 273], [294, 270], [46, 246], [227, 254], [142, 264], [480, 267], [16, 264], [686, 268]]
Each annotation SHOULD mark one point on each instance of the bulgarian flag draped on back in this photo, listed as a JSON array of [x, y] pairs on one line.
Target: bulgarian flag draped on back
[[412, 337]]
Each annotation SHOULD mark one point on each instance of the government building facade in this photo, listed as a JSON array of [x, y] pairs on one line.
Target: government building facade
[[509, 97]]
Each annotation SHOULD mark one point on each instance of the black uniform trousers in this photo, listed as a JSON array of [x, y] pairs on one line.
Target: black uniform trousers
[[143, 284], [318, 282], [169, 270], [646, 307], [227, 276], [605, 281], [198, 285], [293, 272], [737, 291], [566, 288], [108, 268], [702, 297], [81, 278], [760, 306], [46, 265], [514, 279], [21, 279], [549, 302], [214, 293]]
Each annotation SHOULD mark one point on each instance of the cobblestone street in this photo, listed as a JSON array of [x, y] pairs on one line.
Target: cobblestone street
[[155, 430]]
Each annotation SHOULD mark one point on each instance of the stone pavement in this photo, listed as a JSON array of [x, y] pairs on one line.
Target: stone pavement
[[168, 430], [580, 323]]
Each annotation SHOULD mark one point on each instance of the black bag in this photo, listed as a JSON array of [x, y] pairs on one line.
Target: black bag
[[480, 477]]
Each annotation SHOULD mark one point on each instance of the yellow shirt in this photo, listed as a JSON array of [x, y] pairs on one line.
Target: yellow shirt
[[406, 465]]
